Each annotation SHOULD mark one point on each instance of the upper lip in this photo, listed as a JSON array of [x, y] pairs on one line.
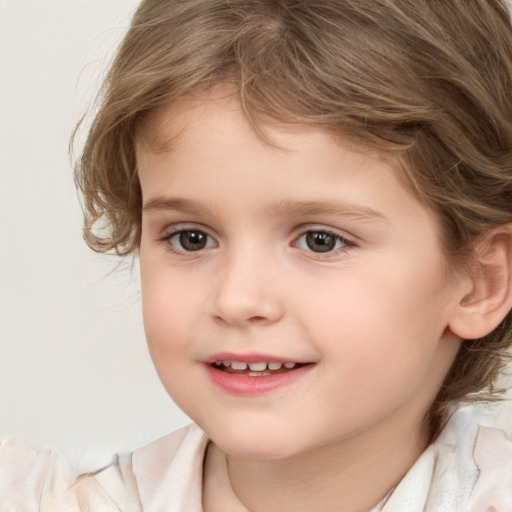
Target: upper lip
[[252, 357]]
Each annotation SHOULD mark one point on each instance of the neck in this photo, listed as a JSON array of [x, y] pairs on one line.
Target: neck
[[358, 473]]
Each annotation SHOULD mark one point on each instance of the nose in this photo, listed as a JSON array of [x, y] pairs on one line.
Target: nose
[[246, 292]]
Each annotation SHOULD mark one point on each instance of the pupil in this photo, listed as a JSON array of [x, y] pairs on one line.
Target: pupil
[[192, 240], [320, 242]]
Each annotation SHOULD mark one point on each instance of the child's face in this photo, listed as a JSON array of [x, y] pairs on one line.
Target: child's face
[[311, 254]]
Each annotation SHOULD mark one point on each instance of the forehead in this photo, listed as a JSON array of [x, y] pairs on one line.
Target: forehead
[[213, 130], [163, 128]]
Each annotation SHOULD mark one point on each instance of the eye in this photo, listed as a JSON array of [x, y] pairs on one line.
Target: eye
[[190, 240], [321, 241]]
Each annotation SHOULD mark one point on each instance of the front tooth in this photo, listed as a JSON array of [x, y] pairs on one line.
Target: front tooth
[[226, 363], [258, 367], [238, 365], [274, 366], [289, 365]]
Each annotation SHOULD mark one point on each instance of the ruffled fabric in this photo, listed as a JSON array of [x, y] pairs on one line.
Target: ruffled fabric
[[169, 471], [23, 474], [468, 469], [493, 457], [44, 482]]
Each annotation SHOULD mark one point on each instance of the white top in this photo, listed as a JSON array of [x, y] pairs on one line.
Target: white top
[[467, 469]]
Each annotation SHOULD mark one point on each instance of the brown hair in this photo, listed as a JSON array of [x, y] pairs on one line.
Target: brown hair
[[427, 80]]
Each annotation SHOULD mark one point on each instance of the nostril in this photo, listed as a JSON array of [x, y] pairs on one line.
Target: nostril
[[257, 319]]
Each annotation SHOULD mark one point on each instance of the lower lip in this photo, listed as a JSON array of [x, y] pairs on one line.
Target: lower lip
[[247, 385]]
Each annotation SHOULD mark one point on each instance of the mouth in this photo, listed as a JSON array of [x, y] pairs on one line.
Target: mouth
[[254, 374], [255, 369]]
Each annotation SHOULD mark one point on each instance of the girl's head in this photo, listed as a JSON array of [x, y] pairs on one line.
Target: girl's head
[[423, 85]]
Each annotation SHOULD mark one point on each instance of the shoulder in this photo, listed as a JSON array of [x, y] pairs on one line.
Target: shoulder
[[467, 469], [475, 458], [110, 489], [23, 473], [493, 457], [43, 481]]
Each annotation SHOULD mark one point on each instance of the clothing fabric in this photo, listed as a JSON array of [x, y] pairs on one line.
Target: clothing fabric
[[467, 469]]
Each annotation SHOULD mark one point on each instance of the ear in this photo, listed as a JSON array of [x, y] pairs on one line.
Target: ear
[[489, 300]]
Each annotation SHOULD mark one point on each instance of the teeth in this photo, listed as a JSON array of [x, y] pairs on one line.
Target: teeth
[[254, 367], [258, 367], [238, 365]]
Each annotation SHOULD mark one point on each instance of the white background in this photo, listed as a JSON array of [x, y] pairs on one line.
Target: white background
[[74, 369]]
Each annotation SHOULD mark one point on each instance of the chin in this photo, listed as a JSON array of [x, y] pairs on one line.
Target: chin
[[253, 443]]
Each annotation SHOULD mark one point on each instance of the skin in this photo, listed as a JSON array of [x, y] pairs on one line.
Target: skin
[[372, 316]]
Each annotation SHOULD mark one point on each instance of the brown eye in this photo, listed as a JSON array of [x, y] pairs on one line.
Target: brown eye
[[321, 241], [191, 240]]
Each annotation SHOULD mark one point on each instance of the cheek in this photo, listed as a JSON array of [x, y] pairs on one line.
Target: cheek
[[166, 329], [164, 307], [390, 314], [170, 323]]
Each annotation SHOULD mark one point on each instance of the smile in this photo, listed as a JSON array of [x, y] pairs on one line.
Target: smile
[[254, 376]]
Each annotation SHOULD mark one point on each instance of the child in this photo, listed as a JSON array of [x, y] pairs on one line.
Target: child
[[320, 195]]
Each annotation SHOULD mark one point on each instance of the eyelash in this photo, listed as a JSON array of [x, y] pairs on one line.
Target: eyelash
[[337, 238], [345, 243], [178, 231]]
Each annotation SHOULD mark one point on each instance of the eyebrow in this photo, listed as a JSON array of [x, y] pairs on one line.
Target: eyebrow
[[334, 208], [161, 203], [282, 208]]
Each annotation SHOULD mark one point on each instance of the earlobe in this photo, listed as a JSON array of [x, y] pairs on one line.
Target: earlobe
[[481, 310]]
